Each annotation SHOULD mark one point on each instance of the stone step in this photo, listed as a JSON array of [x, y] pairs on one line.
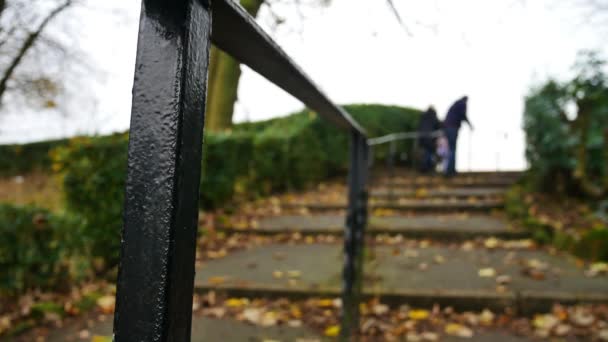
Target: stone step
[[381, 193], [205, 329], [408, 205], [436, 227], [405, 182], [420, 276]]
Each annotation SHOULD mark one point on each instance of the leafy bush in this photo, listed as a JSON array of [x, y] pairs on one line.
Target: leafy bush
[[19, 159], [38, 249], [226, 166], [94, 171], [566, 132], [253, 159]]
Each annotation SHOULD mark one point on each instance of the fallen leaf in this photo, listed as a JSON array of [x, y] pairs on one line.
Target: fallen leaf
[[380, 309], [487, 272], [503, 279], [217, 312], [581, 317], [269, 319], [252, 315], [418, 315], [458, 330], [545, 322], [294, 323], [97, 338], [294, 274], [325, 303], [216, 280], [236, 302], [332, 331], [486, 317], [106, 304], [562, 330], [429, 336], [491, 243], [468, 246], [596, 269]]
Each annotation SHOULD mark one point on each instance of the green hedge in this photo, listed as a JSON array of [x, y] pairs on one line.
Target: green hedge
[[20, 159], [39, 249], [253, 159], [93, 171]]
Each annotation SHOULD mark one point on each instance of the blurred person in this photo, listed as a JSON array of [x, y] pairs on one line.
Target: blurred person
[[429, 123], [453, 120]]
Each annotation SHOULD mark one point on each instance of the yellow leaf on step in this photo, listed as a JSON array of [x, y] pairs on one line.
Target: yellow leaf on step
[[418, 315], [458, 330], [236, 302], [101, 339], [332, 331]]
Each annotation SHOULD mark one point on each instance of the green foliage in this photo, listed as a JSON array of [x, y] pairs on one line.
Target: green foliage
[[38, 249], [20, 159], [591, 244], [94, 171], [253, 159], [225, 166], [566, 136]]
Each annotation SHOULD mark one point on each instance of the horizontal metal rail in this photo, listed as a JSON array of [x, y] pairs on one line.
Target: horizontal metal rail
[[402, 136], [237, 33]]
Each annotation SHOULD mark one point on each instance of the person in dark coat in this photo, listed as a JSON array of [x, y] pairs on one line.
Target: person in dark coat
[[453, 120], [429, 123]]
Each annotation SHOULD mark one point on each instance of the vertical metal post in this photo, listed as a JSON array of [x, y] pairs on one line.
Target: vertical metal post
[[354, 236], [156, 272]]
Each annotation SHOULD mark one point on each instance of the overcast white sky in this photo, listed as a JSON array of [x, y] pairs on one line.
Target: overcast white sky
[[357, 52]]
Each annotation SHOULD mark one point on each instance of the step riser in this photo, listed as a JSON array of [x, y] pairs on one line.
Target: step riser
[[404, 209], [438, 235], [414, 185], [525, 303]]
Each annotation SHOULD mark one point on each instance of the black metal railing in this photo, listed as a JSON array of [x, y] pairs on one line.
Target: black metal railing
[[156, 273]]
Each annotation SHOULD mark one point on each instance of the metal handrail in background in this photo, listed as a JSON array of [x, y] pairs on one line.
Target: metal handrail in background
[[156, 272]]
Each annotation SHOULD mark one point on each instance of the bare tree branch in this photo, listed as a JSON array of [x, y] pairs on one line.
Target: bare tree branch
[[27, 45], [391, 5]]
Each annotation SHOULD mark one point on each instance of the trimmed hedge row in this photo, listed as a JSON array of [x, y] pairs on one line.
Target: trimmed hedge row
[[254, 159], [38, 249], [20, 159]]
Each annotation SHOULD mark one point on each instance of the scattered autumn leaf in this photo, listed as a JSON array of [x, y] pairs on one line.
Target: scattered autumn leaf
[[332, 331], [418, 315]]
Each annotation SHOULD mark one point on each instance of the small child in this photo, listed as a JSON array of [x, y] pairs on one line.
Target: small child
[[443, 152]]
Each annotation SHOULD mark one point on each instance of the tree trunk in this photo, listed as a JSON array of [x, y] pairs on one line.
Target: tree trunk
[[223, 81]]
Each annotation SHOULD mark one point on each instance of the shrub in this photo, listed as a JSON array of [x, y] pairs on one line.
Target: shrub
[[226, 164], [254, 159], [94, 171], [566, 134], [20, 159], [39, 249]]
